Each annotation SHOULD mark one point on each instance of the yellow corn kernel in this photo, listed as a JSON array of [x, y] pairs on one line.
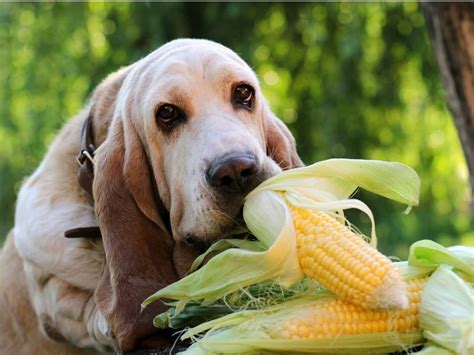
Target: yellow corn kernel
[[345, 263], [336, 317]]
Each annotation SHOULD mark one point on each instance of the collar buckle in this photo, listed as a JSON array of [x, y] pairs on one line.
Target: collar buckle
[[86, 154]]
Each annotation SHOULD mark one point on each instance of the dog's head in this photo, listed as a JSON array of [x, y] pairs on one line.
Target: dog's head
[[190, 134]]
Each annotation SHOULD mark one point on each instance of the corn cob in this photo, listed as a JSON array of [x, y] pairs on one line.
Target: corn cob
[[345, 263], [336, 317]]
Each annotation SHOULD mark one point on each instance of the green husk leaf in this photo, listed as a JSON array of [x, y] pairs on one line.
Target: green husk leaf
[[341, 177], [191, 315], [446, 311], [429, 255], [233, 341], [223, 245], [465, 253]]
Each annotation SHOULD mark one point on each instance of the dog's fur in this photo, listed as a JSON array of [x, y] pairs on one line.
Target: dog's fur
[[59, 295]]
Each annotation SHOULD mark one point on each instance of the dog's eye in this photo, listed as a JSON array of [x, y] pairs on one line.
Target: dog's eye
[[244, 95], [167, 113]]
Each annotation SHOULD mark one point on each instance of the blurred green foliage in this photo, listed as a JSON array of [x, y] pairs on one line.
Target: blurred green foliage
[[350, 80]]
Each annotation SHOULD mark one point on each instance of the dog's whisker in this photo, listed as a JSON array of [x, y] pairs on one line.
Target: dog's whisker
[[204, 187]]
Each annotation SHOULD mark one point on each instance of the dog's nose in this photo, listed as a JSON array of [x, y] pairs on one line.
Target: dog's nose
[[236, 173]]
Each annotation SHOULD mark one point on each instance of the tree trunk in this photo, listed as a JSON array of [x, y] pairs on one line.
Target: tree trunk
[[451, 28]]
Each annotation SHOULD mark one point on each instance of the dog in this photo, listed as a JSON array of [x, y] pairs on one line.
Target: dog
[[168, 147]]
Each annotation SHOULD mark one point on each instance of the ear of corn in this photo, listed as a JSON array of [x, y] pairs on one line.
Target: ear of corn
[[320, 325], [440, 311], [336, 317], [322, 316], [325, 185], [345, 263]]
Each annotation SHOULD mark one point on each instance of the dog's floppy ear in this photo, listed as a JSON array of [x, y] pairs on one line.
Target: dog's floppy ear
[[137, 245], [281, 146]]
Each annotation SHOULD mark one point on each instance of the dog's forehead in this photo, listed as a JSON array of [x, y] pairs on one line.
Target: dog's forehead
[[193, 50], [190, 58]]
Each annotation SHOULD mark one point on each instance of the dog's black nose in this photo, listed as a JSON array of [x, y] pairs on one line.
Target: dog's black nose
[[236, 173]]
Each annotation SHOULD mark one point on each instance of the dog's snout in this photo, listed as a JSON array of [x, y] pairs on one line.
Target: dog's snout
[[238, 173]]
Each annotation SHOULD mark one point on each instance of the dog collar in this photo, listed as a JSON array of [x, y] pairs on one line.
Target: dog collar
[[85, 177]]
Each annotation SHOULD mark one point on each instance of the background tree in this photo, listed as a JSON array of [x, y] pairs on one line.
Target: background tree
[[350, 80], [451, 28]]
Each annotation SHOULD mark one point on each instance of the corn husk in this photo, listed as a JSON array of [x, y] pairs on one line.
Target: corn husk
[[324, 186], [446, 314], [447, 311], [259, 296]]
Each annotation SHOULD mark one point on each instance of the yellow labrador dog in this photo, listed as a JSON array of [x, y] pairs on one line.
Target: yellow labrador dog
[[168, 147]]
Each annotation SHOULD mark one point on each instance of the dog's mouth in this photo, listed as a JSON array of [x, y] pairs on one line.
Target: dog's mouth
[[235, 230]]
